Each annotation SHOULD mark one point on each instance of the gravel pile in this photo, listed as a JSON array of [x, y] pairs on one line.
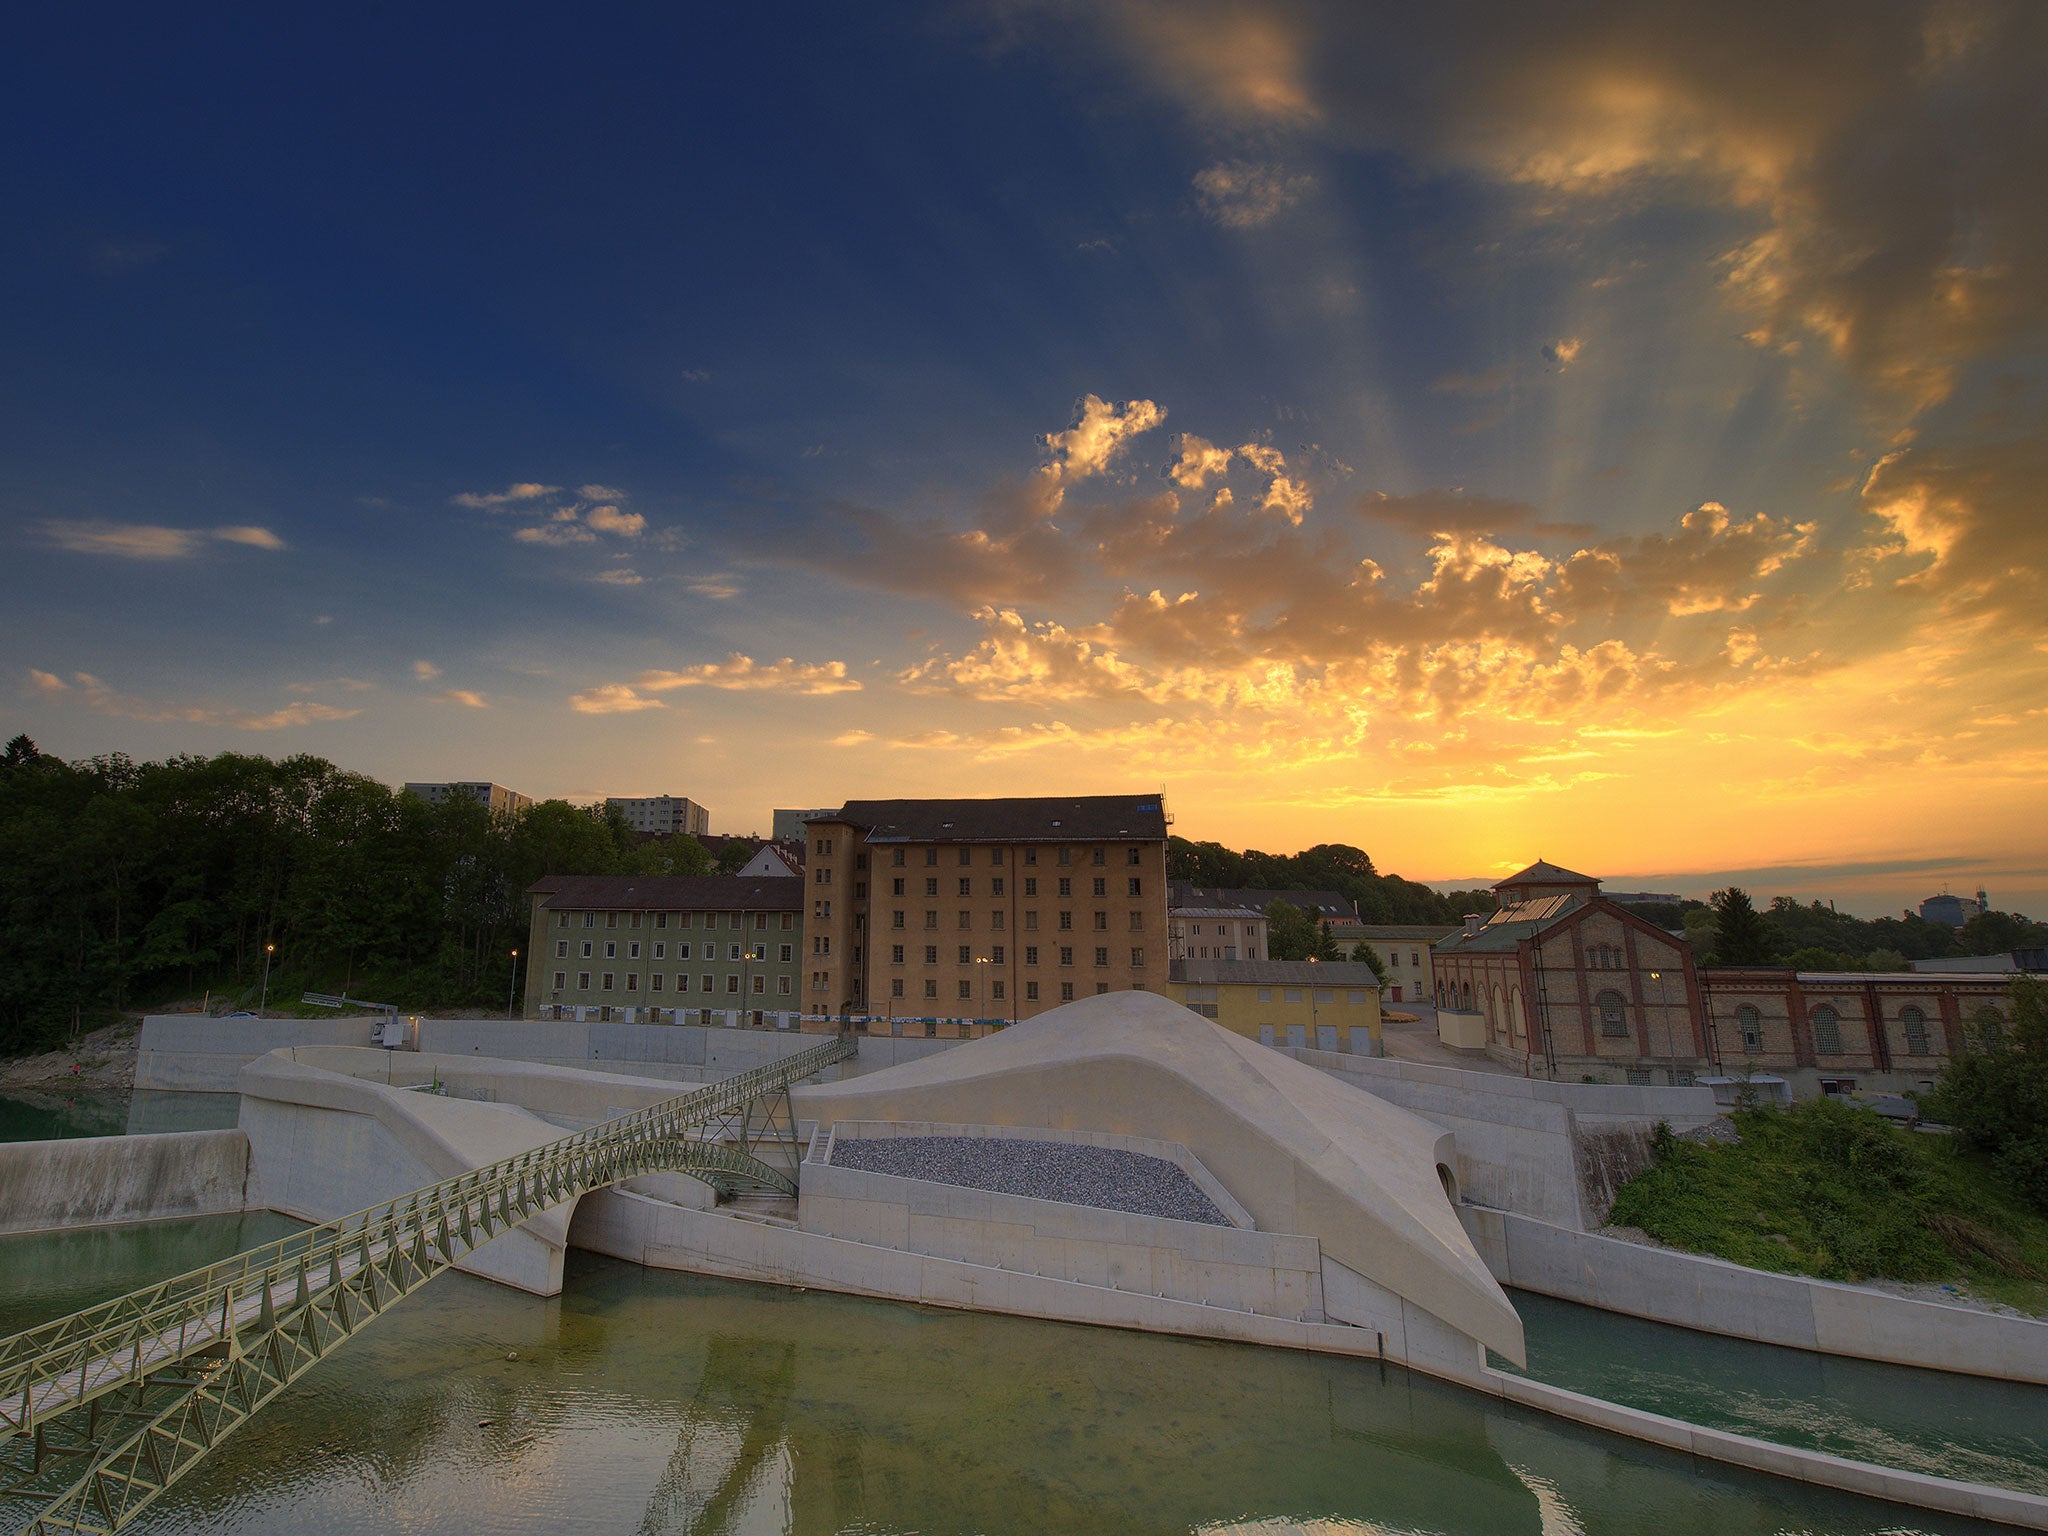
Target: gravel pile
[[1105, 1177]]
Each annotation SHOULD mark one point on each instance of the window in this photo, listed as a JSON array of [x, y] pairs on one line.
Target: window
[[966, 856], [1356, 999], [931, 989], [1613, 1015], [966, 885], [1916, 1031], [824, 876], [782, 986], [896, 987], [1827, 1031], [561, 919], [1132, 856], [966, 919], [583, 981], [1137, 922], [1031, 954], [636, 919], [1101, 987], [1102, 922], [996, 955], [1031, 885], [1101, 955], [661, 919], [825, 845], [560, 978], [732, 983], [931, 918], [661, 951], [1639, 1077], [632, 981], [1030, 855], [897, 861], [896, 918], [787, 918], [611, 919], [1066, 856], [931, 857], [590, 919], [1099, 857], [1265, 994], [1290, 994], [1137, 886], [760, 983], [611, 950], [1066, 922], [996, 990], [995, 885], [896, 954], [1137, 959], [966, 955], [1325, 995], [1031, 921], [682, 951], [897, 887], [1066, 955], [1066, 991], [1030, 988], [787, 953], [561, 949], [1101, 886], [966, 991], [732, 951], [931, 954], [821, 945], [633, 950], [931, 887], [995, 856], [1066, 886], [709, 984], [654, 981], [1751, 1023], [1414, 958], [607, 981], [995, 919]]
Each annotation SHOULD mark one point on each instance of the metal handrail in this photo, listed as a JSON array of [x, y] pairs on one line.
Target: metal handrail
[[102, 1411]]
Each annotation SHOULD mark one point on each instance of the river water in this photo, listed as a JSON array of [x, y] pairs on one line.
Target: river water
[[57, 1114], [646, 1401]]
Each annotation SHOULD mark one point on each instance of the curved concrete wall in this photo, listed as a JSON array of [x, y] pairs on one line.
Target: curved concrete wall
[[95, 1180]]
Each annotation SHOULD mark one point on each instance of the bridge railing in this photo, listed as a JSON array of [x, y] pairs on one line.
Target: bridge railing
[[54, 1367]]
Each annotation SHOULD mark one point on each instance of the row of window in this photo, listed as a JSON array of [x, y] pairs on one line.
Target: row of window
[[1099, 857], [998, 955], [996, 887], [1251, 930], [1827, 1030], [734, 951], [997, 992], [657, 982], [900, 920], [682, 919]]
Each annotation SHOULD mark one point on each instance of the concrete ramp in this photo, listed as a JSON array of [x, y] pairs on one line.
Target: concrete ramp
[[323, 1145], [1303, 1153]]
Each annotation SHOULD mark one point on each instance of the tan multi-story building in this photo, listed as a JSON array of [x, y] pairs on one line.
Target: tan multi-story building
[[1217, 933], [495, 798], [982, 912], [662, 815], [1405, 949], [665, 949]]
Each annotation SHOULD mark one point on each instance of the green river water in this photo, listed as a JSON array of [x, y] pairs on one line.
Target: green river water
[[644, 1401]]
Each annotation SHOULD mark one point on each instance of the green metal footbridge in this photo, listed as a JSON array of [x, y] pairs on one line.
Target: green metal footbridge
[[103, 1410]]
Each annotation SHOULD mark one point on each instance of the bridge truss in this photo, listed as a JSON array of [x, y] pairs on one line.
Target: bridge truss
[[101, 1411]]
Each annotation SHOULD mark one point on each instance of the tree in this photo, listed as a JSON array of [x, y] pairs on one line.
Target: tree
[[1290, 932], [1741, 936], [1365, 954], [1999, 933], [1996, 1092], [678, 855], [734, 855], [1326, 947]]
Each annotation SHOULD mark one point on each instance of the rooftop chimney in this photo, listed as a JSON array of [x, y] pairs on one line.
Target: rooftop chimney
[[1472, 922]]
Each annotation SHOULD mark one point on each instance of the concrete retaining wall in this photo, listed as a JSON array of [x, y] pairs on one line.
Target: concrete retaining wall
[[1554, 1151], [95, 1180], [191, 1053], [1717, 1297]]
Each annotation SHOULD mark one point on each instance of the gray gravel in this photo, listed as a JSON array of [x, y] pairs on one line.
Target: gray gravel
[[1105, 1177]]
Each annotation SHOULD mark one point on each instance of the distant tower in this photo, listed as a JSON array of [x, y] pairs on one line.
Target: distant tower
[[1983, 901]]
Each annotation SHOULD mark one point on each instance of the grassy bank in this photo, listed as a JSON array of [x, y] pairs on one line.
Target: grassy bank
[[1831, 1190]]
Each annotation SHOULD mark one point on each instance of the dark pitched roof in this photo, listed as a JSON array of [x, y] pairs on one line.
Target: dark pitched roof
[[1511, 924], [1273, 973], [1543, 872], [1049, 819], [1319, 904], [669, 893], [1427, 932]]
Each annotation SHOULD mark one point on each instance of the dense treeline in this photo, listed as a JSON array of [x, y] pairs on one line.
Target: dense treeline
[[1815, 937], [123, 885], [1326, 867]]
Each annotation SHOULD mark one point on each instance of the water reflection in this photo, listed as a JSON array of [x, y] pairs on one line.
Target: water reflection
[[62, 1113]]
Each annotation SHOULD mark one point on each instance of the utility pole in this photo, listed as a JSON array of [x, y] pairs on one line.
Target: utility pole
[[264, 1001], [512, 986]]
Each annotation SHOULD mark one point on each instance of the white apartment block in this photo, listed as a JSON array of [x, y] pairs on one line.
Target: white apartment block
[[662, 815]]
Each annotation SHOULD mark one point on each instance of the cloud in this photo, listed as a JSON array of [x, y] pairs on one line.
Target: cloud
[[1242, 195], [1967, 518], [622, 576], [1098, 434], [103, 699], [611, 699], [556, 533], [512, 495], [854, 738], [425, 671], [742, 672], [600, 493], [717, 588], [1562, 353], [1196, 461], [145, 541], [463, 696], [607, 518], [1237, 62]]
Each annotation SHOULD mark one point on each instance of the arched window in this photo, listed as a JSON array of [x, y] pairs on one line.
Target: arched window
[[1916, 1031], [1613, 1014], [1468, 997], [1990, 1027], [1827, 1031], [1752, 1025]]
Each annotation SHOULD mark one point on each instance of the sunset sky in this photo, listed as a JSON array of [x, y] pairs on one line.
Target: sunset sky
[[1606, 432]]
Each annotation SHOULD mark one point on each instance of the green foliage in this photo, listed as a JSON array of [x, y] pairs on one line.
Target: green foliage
[[1829, 1189], [1996, 1092], [1741, 937], [1291, 934], [122, 884], [1326, 867], [1998, 933], [1365, 954]]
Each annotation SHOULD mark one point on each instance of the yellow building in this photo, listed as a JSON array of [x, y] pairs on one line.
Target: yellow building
[[1404, 948], [1329, 1006]]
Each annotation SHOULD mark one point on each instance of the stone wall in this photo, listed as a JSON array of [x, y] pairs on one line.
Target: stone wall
[[96, 1180]]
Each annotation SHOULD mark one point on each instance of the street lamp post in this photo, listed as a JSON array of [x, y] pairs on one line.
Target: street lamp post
[[981, 965], [512, 986], [264, 1001]]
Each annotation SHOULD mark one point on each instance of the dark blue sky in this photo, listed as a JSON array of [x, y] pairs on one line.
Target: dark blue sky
[[660, 401]]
